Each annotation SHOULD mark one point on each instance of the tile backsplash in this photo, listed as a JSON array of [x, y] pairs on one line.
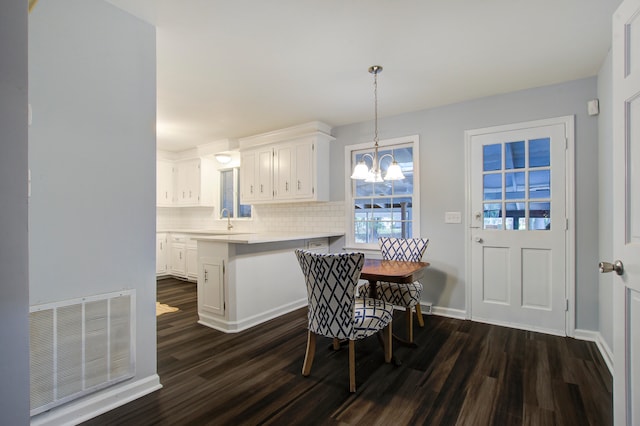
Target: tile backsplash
[[289, 217]]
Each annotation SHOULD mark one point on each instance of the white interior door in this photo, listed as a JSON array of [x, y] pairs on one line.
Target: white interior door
[[626, 212], [518, 225]]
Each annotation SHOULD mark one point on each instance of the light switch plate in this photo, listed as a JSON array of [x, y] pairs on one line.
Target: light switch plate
[[452, 217]]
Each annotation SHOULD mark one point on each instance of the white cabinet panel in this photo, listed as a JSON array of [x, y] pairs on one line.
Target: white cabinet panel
[[211, 286], [286, 172], [164, 183], [186, 183], [161, 254], [191, 263]]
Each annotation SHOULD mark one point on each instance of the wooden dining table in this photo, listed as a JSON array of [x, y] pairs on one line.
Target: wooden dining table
[[393, 271]]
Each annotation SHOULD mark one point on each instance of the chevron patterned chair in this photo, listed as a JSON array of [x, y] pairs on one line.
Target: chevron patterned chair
[[405, 295], [335, 312]]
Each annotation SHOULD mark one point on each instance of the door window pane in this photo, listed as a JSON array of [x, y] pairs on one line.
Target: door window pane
[[493, 186], [539, 216], [514, 185], [540, 184], [539, 152], [492, 216], [492, 157], [515, 217], [514, 156]]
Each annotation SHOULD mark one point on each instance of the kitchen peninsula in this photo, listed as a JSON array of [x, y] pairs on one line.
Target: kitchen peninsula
[[247, 279]]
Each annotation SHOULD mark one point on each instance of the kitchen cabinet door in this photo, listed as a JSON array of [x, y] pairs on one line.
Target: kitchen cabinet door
[[178, 259], [211, 286], [282, 172], [304, 185], [191, 263], [195, 182], [256, 175], [248, 177], [265, 174], [164, 183], [161, 254]]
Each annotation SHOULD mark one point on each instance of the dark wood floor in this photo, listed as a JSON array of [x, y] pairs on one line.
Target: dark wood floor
[[461, 373]]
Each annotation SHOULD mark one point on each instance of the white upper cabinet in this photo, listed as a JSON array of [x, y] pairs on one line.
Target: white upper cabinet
[[186, 183], [286, 170], [255, 175], [283, 172], [164, 183]]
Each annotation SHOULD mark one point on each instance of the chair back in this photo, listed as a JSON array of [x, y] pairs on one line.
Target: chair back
[[407, 249], [331, 280]]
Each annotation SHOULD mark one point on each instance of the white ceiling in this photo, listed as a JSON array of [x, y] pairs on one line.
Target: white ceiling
[[234, 68]]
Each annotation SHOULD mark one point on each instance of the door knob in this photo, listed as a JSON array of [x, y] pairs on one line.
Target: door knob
[[478, 239], [609, 267]]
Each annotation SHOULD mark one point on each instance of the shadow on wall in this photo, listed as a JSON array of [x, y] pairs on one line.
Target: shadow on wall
[[438, 286]]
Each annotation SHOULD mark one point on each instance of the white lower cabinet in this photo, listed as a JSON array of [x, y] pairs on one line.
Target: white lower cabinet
[[211, 286], [178, 264], [176, 255], [161, 253], [178, 259], [191, 264]]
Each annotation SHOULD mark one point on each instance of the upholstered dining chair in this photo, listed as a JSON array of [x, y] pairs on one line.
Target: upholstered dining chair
[[335, 312], [404, 295]]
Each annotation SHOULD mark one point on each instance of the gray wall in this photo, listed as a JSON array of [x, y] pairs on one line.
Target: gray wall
[[605, 173], [441, 133], [92, 78], [14, 282]]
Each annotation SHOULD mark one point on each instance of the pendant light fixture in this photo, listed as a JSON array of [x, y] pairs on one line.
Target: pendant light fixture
[[374, 174]]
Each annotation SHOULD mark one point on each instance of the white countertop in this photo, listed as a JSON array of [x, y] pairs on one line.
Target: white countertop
[[238, 237]]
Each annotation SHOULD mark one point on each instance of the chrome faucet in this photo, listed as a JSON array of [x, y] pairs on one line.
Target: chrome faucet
[[229, 225]]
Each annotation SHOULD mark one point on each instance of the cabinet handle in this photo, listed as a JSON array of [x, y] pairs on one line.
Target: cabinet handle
[[180, 255], [160, 245], [261, 188], [286, 186], [251, 190], [206, 275], [298, 184]]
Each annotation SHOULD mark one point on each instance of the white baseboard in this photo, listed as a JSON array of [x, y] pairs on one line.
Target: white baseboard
[[93, 405], [221, 324], [602, 345], [448, 312]]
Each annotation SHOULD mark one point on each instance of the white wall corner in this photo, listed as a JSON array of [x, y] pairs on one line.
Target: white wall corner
[[448, 312], [603, 347]]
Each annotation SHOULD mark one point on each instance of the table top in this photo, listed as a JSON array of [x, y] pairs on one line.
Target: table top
[[396, 271]]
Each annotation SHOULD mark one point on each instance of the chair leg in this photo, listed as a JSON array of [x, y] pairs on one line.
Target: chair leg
[[336, 344], [409, 319], [388, 343], [308, 356], [419, 315], [352, 366]]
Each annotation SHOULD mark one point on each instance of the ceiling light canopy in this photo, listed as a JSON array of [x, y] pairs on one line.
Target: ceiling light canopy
[[223, 158], [374, 174]]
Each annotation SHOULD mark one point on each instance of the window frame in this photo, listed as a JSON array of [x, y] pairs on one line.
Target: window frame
[[236, 192], [349, 150]]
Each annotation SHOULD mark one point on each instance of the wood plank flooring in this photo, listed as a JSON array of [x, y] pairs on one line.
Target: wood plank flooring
[[461, 373]]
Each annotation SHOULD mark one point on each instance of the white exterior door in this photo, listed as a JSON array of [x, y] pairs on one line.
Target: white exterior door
[[626, 213], [518, 221]]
